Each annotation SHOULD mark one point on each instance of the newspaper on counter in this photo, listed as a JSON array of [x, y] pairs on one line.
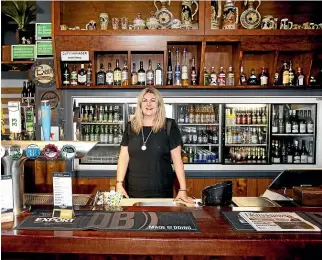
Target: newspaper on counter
[[278, 221]]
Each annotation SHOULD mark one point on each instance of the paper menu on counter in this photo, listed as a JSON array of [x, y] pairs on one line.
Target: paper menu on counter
[[6, 195], [62, 187]]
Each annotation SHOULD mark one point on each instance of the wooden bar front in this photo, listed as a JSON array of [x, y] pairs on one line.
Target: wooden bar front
[[216, 238]]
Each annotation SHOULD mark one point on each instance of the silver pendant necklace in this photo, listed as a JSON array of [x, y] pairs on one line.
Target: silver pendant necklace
[[143, 147]]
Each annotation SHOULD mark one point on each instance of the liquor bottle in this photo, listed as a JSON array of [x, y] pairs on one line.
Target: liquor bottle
[[276, 154], [291, 75], [252, 80], [89, 80], [184, 74], [193, 73], [276, 79], [295, 123], [101, 114], [134, 76], [24, 92], [310, 153], [73, 76], [285, 78], [95, 117], [288, 124], [150, 75], [169, 70], [281, 124], [141, 75], [120, 135], [289, 153], [296, 153], [205, 77], [263, 77], [275, 123], [242, 78], [85, 114], [116, 114], [264, 116], [230, 77], [213, 77], [284, 153], [304, 153], [102, 134], [81, 76], [310, 123], [110, 114], [109, 75], [117, 74], [181, 115], [302, 123], [221, 80], [300, 78], [90, 114], [100, 77], [66, 75], [158, 75], [105, 117], [177, 70], [125, 75]]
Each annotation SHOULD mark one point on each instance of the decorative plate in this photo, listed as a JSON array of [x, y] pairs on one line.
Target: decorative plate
[[250, 19]]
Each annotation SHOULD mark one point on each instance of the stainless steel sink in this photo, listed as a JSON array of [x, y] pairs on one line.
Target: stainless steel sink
[[158, 204]]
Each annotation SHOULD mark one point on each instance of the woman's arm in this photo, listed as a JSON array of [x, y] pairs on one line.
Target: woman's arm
[[122, 165], [179, 169]]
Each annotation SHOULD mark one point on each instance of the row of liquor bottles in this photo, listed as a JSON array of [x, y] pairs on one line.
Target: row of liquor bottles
[[108, 134], [197, 155], [200, 135], [292, 122], [246, 116], [96, 113], [246, 135], [246, 155], [198, 114], [290, 152], [81, 77]]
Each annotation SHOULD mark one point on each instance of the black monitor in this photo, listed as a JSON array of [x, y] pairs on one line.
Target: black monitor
[[297, 177]]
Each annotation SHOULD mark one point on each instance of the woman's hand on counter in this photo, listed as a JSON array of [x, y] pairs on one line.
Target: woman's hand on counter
[[120, 188], [182, 195]]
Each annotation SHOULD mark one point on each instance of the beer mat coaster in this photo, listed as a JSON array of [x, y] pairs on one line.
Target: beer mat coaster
[[113, 221], [240, 225]]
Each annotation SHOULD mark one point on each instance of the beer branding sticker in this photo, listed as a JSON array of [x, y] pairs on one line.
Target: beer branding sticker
[[15, 152], [3, 151], [33, 151], [52, 97], [43, 73], [50, 151], [68, 151]]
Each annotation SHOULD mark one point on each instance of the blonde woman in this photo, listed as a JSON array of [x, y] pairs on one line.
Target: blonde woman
[[150, 142]]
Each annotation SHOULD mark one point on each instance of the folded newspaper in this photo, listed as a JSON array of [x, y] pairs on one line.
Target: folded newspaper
[[278, 221]]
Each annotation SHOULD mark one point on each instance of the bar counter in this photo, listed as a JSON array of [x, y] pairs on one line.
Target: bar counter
[[216, 238]]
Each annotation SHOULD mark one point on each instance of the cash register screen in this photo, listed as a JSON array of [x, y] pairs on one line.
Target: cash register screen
[[290, 178]]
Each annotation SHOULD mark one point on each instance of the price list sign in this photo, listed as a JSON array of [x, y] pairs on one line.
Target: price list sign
[[63, 198], [23, 52], [44, 48], [43, 31]]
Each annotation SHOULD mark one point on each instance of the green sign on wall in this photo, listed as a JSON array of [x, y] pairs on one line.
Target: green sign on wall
[[43, 31], [23, 52], [44, 48]]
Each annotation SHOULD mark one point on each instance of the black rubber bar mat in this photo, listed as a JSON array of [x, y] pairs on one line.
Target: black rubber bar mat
[[113, 221]]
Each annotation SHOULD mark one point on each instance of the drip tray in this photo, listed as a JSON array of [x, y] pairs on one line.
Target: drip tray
[[48, 199]]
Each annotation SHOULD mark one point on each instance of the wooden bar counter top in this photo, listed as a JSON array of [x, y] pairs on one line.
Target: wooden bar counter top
[[216, 238]]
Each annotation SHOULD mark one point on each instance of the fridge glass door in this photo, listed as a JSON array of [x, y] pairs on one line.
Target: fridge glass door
[[293, 128], [245, 134]]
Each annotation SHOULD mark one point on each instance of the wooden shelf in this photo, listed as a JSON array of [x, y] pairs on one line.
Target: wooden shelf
[[260, 32], [190, 87], [17, 62]]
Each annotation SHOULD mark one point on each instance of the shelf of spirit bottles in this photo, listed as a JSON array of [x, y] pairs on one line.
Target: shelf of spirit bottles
[[188, 124], [248, 145], [202, 145], [292, 134], [102, 123], [252, 125]]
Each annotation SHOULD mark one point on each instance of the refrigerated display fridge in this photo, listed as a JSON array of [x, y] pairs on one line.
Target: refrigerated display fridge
[[218, 133]]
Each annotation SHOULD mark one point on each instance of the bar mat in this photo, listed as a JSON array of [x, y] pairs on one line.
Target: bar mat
[[113, 221], [240, 225]]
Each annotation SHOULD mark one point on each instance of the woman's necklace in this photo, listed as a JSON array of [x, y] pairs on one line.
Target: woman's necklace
[[143, 147]]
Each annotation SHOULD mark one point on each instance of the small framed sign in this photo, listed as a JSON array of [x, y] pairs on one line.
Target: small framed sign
[[43, 31], [63, 196], [44, 48], [75, 55], [23, 52]]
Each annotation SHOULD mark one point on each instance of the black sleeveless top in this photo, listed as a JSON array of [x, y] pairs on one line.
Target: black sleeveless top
[[150, 173]]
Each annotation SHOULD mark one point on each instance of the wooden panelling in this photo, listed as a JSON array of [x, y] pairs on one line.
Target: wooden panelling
[[12, 90]]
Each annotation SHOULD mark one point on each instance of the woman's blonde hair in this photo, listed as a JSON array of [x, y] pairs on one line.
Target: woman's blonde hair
[[159, 119]]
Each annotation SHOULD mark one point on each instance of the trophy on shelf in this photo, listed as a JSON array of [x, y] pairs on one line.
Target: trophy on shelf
[[230, 15], [163, 15], [251, 18], [186, 13], [215, 14]]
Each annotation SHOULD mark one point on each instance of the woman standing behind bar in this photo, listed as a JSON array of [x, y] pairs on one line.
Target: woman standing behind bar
[[149, 143]]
